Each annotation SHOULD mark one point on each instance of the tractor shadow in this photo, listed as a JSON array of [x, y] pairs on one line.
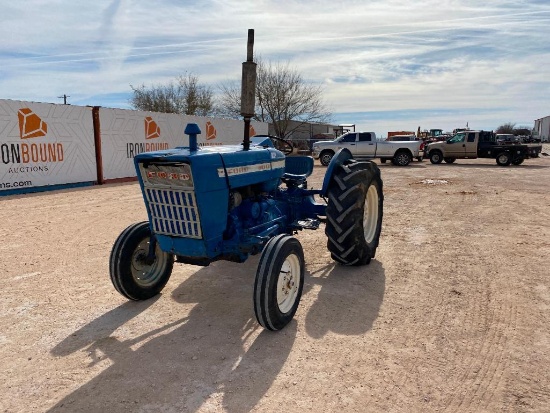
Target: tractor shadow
[[348, 301], [215, 356]]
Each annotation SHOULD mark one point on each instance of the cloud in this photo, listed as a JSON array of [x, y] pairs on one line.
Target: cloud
[[488, 60]]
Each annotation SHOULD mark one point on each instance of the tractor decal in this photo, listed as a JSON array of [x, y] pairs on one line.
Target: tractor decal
[[167, 176], [240, 170], [245, 169], [278, 164]]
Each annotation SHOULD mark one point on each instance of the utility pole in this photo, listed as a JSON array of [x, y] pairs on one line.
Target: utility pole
[[64, 97]]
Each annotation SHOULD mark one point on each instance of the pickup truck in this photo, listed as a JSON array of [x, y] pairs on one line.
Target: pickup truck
[[471, 144], [364, 145]]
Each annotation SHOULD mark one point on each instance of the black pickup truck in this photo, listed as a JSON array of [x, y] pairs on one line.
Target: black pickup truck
[[471, 144]]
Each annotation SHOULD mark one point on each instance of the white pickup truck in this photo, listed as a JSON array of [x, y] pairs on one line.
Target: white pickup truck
[[364, 145]]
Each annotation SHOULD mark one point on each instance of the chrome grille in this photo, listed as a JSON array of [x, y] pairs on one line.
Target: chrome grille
[[174, 212]]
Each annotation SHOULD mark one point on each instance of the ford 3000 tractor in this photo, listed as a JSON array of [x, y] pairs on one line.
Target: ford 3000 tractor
[[226, 203], [229, 202]]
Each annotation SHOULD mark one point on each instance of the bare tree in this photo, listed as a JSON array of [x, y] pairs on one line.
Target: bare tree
[[156, 99], [506, 128], [229, 100], [185, 96], [283, 98]]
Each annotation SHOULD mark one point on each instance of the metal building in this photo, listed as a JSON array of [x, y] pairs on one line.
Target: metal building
[[542, 129]]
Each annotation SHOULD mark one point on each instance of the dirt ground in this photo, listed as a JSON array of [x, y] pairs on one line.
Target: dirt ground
[[451, 316]]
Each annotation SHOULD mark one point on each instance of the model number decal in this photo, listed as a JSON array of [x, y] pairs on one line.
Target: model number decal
[[240, 170], [168, 175], [278, 164]]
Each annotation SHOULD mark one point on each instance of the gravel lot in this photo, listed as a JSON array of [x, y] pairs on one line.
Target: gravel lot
[[451, 316]]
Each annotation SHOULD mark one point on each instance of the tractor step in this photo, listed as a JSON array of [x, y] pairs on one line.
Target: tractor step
[[309, 223]]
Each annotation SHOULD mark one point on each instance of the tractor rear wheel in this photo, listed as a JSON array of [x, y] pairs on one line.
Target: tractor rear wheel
[[134, 274], [279, 282], [354, 212]]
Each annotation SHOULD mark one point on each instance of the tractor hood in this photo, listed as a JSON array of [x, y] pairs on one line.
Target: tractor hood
[[209, 168]]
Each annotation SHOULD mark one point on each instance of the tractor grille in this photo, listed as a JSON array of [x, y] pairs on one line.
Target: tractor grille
[[174, 212]]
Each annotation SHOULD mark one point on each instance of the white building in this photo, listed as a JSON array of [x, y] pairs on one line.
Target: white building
[[542, 128]]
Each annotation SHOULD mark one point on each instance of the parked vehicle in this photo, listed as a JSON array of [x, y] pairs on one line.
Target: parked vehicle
[[506, 138], [407, 138], [364, 145], [402, 138], [480, 144], [399, 133]]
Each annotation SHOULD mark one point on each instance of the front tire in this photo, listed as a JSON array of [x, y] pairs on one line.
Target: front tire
[[134, 275], [279, 282], [436, 157], [504, 159], [354, 213], [326, 157]]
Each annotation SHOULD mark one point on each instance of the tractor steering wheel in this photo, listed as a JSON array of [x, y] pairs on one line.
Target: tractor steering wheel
[[287, 145]]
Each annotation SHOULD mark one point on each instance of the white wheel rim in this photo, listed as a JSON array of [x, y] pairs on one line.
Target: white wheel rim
[[147, 274], [370, 213], [288, 283]]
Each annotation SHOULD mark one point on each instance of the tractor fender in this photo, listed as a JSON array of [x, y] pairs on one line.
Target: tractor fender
[[337, 160]]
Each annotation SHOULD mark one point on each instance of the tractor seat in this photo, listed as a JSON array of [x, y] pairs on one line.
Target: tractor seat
[[297, 168]]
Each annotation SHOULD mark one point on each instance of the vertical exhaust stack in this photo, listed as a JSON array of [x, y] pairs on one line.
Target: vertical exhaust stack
[[192, 129], [248, 89]]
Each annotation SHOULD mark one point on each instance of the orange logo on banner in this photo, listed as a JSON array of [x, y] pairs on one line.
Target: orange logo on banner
[[152, 130], [210, 131], [251, 131], [30, 124]]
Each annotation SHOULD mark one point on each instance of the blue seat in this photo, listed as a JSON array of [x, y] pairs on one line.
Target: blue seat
[[298, 168]]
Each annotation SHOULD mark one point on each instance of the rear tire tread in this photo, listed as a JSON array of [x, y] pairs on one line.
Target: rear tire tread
[[345, 213]]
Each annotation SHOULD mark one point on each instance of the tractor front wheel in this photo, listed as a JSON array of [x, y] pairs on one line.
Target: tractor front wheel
[[279, 282], [354, 213], [135, 273]]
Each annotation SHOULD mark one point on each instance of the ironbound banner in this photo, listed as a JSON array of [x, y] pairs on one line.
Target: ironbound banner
[[46, 146], [126, 133], [43, 144]]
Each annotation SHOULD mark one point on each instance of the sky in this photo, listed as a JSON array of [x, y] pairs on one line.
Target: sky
[[383, 66]]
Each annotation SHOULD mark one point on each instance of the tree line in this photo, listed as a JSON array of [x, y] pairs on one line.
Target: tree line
[[510, 128], [283, 98]]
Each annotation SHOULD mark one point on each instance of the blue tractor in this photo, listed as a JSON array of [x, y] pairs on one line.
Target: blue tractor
[[230, 202], [227, 203]]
